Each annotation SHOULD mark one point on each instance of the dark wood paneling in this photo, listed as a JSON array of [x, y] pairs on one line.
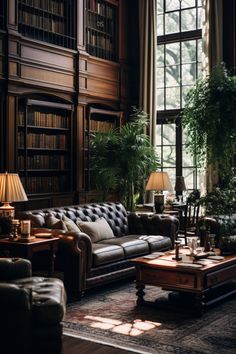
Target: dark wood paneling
[[229, 34]]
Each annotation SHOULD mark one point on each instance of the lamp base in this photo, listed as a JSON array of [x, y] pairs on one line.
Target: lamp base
[[159, 203], [6, 210]]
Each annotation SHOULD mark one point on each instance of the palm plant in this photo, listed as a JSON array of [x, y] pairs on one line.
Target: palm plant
[[122, 159]]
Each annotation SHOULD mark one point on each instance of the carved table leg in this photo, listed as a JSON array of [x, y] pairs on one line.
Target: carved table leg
[[199, 305], [140, 294]]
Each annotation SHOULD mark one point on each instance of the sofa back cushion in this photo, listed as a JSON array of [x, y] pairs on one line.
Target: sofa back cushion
[[114, 213], [54, 223], [97, 231]]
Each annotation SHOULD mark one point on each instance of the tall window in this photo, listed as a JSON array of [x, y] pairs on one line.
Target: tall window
[[179, 52]]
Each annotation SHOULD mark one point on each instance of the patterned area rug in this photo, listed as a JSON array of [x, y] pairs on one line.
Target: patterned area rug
[[111, 316]]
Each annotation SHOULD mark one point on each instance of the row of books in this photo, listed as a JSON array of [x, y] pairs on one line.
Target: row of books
[[102, 126], [101, 53], [49, 184], [41, 119], [55, 7], [99, 40], [100, 7], [42, 22], [104, 25], [44, 162], [44, 141]]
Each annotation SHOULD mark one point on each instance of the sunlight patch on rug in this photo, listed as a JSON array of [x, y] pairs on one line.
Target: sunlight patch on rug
[[134, 328]]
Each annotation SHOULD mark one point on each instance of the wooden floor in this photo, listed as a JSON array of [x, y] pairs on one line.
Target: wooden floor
[[73, 345]]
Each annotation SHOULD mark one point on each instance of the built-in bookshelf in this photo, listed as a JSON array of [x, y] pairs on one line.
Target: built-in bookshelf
[[3, 8], [101, 29], [50, 21], [44, 146], [98, 120]]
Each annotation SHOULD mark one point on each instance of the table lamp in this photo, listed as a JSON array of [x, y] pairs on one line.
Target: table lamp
[[158, 182], [179, 186], [11, 190]]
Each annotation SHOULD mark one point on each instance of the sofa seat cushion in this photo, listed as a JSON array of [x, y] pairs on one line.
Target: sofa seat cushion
[[156, 242], [98, 230], [131, 244], [103, 253], [48, 299]]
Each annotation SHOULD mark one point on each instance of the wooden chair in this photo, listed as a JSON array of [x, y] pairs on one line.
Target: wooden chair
[[188, 224]]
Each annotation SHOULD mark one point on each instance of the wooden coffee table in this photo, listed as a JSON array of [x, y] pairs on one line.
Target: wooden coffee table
[[206, 284]]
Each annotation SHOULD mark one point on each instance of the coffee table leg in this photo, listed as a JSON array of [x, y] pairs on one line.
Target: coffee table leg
[[140, 294], [199, 304]]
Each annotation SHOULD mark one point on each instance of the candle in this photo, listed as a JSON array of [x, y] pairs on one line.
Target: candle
[[25, 228]]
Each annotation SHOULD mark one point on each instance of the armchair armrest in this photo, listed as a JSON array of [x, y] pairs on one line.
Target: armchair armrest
[[13, 297], [156, 224], [14, 268]]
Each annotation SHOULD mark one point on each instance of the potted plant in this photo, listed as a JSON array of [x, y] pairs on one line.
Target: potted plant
[[123, 158], [209, 118]]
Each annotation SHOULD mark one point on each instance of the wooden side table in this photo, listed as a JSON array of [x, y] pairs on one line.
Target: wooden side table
[[23, 249]]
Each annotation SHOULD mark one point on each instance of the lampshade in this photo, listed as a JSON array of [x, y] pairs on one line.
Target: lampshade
[[180, 184], [159, 181], [11, 190]]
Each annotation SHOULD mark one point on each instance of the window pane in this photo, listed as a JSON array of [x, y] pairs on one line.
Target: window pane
[[199, 68], [172, 75], [188, 174], [158, 134], [160, 29], [168, 134], [171, 173], [199, 19], [160, 77], [158, 151], [199, 48], [169, 156], [172, 22], [185, 90], [187, 158], [160, 55], [160, 99], [188, 51], [160, 6], [172, 97], [172, 53], [172, 5], [187, 3], [188, 20], [188, 74]]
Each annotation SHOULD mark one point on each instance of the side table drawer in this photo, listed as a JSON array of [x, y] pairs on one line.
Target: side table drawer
[[168, 278], [221, 276]]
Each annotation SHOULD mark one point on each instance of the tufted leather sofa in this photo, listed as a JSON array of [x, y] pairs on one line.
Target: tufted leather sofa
[[31, 308], [86, 264]]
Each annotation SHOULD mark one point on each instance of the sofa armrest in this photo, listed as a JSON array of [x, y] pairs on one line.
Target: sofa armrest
[[74, 258], [14, 268], [156, 224]]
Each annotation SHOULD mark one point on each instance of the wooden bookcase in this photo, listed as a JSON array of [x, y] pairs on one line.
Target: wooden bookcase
[[98, 120], [102, 29], [44, 132], [51, 21]]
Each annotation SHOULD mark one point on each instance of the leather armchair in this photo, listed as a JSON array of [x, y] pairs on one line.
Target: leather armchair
[[31, 308]]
